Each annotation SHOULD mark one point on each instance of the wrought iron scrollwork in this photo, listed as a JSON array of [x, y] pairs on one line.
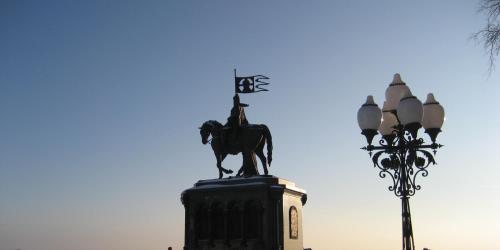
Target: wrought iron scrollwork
[[402, 157]]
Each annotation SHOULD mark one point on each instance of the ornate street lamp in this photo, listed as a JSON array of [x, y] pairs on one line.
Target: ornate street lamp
[[401, 154]]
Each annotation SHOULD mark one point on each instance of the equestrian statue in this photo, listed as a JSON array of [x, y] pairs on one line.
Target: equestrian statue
[[238, 136]]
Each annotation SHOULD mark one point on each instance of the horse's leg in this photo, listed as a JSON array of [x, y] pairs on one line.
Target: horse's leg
[[226, 171], [260, 153], [246, 163], [242, 169], [255, 170], [219, 163]]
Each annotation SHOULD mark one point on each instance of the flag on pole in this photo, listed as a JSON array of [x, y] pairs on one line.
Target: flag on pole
[[249, 84]]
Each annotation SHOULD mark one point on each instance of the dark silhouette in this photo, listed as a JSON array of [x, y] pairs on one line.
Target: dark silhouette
[[235, 120], [249, 141], [238, 136]]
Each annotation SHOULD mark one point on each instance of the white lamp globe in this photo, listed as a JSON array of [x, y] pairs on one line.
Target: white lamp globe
[[389, 120], [433, 113], [369, 115], [396, 90], [369, 118], [433, 117], [410, 110]]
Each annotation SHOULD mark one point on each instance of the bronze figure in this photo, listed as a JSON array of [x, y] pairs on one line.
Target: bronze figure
[[238, 136], [235, 120]]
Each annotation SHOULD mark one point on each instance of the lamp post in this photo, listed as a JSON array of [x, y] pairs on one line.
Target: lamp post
[[400, 153]]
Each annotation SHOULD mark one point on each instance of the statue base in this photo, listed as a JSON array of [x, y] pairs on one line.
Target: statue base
[[259, 213]]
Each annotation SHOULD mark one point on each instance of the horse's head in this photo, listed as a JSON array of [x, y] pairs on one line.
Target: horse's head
[[204, 132], [207, 128]]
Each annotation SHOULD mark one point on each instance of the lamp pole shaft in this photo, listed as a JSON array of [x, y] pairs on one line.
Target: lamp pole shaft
[[408, 243]]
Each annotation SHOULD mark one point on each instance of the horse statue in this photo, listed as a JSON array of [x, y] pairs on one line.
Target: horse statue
[[250, 142]]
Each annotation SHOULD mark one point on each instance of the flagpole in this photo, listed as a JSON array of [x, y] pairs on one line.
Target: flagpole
[[236, 92]]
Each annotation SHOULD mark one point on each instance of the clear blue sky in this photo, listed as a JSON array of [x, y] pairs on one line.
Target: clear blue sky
[[100, 103]]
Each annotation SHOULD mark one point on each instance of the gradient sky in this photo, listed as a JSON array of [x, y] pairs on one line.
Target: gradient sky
[[100, 103]]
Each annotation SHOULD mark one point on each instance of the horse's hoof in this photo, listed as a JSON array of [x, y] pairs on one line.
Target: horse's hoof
[[229, 171]]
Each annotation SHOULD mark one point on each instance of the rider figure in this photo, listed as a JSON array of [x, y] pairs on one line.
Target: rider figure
[[236, 119]]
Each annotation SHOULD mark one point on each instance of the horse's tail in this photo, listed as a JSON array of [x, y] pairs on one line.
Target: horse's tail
[[269, 142]]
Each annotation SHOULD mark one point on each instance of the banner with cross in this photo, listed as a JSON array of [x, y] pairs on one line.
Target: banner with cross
[[249, 84]]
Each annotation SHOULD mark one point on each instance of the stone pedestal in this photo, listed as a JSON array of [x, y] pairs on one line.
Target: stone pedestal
[[258, 213]]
